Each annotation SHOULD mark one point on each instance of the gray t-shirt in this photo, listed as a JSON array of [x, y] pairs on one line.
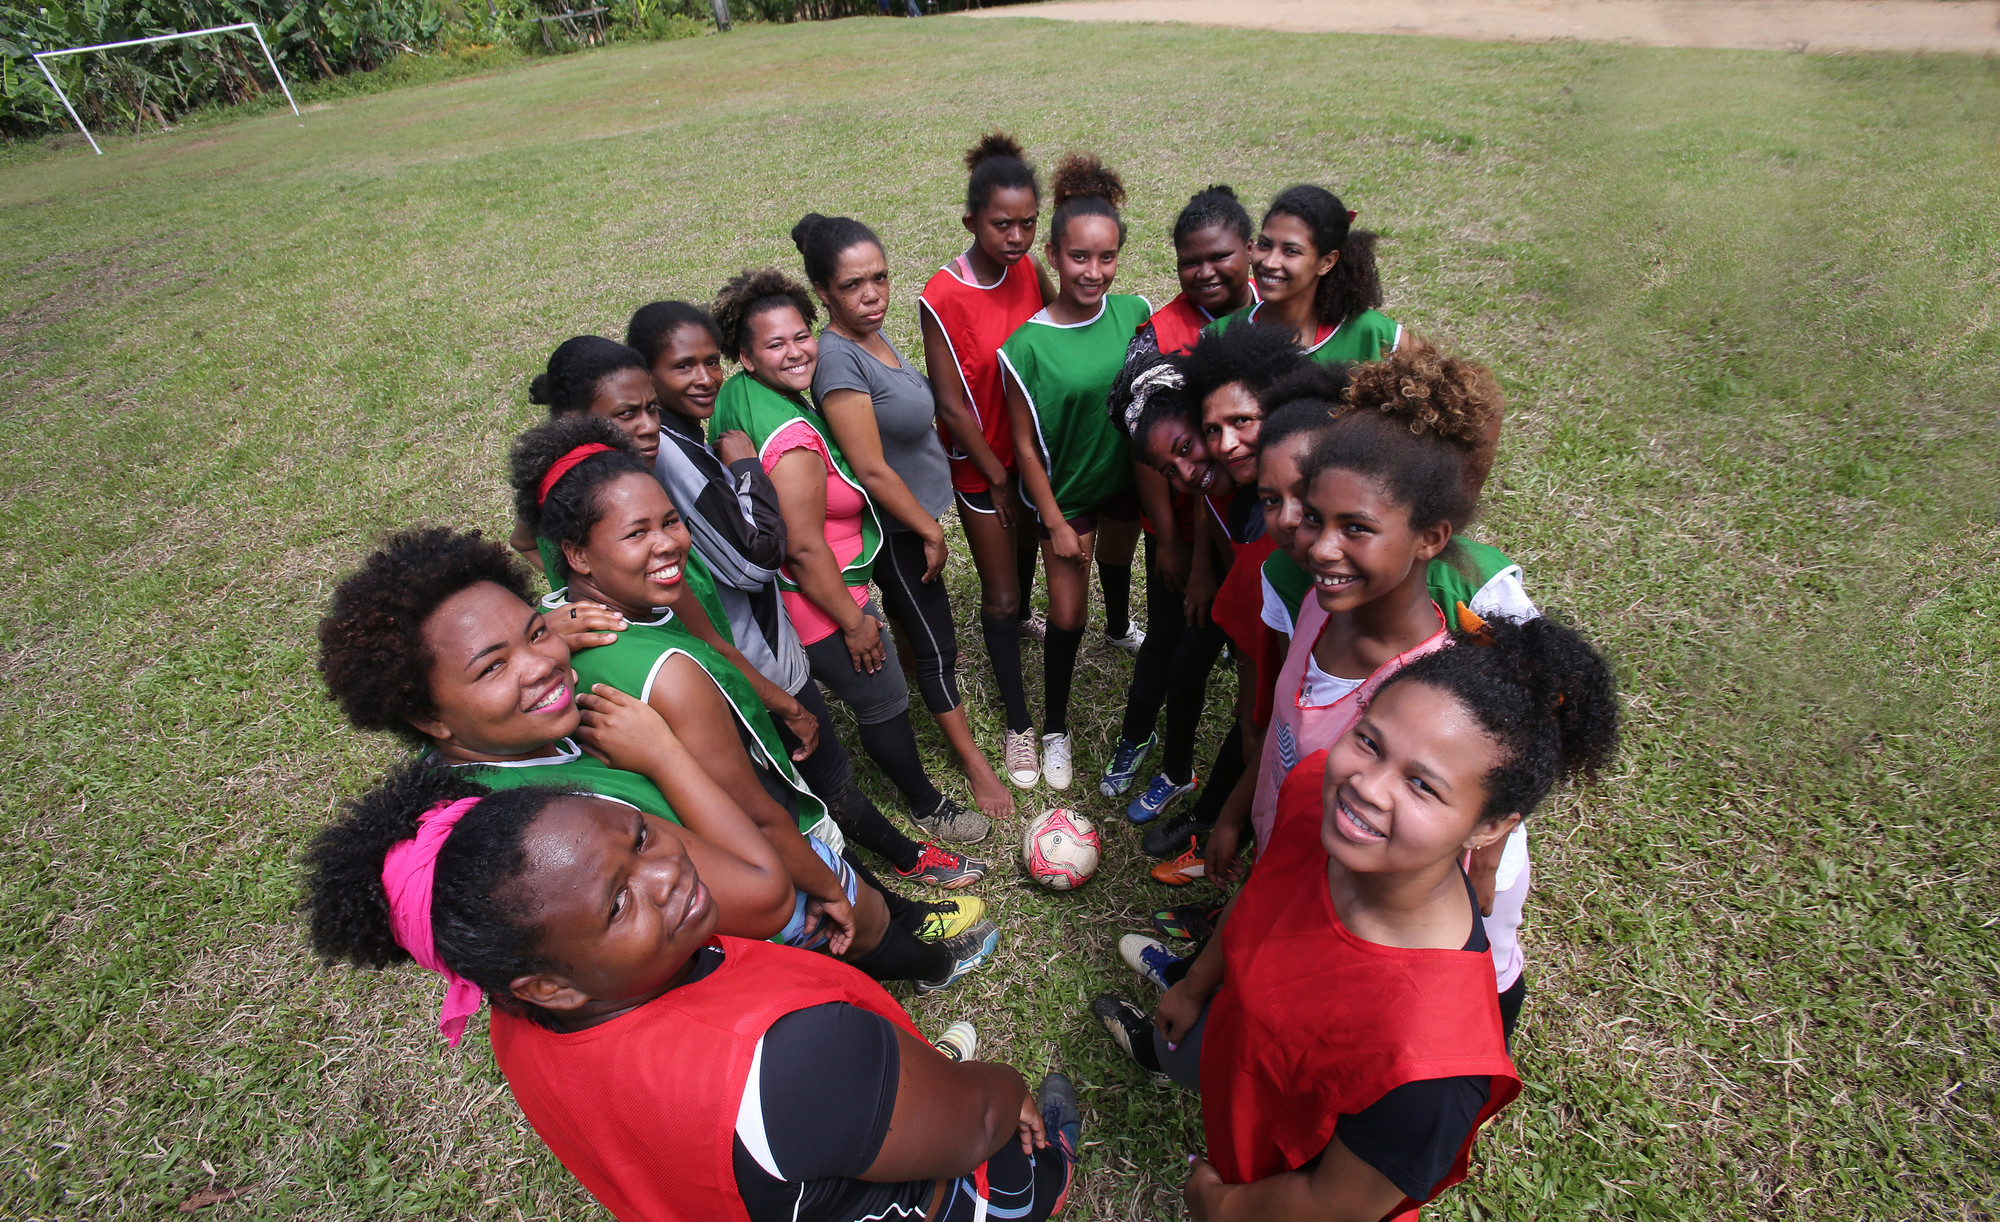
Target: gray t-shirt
[[905, 415]]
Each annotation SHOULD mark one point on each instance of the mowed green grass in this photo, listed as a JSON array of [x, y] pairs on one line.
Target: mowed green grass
[[1745, 309]]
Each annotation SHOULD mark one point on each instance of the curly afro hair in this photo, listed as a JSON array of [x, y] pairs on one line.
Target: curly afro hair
[[753, 292], [1354, 284], [1256, 356], [1542, 693], [571, 508], [575, 368], [1084, 186], [1417, 422], [1429, 392], [371, 642], [997, 163], [482, 926]]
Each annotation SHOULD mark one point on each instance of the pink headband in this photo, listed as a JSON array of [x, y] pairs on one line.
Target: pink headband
[[408, 870]]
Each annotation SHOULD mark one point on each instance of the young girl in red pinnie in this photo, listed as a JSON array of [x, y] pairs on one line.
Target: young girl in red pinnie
[[1343, 1028], [678, 1074]]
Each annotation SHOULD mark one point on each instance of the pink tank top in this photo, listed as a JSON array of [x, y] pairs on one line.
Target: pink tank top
[[1299, 729]]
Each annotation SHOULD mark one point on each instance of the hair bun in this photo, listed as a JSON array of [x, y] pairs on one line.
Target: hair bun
[[991, 145], [1220, 188], [803, 231], [538, 390], [1431, 392], [1080, 175]]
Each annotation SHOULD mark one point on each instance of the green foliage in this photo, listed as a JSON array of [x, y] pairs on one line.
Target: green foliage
[[315, 41]]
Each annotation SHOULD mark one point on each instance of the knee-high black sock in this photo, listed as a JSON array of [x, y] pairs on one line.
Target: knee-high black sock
[[901, 911], [870, 828], [1222, 776], [1024, 577], [1058, 670], [1003, 646], [892, 744], [1115, 580], [899, 956]]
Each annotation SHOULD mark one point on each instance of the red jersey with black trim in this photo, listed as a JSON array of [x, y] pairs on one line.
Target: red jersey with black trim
[[976, 319], [642, 1109], [1312, 1022]]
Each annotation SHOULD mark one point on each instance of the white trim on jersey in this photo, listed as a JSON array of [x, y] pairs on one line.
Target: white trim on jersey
[[750, 1116], [1041, 442], [971, 403]]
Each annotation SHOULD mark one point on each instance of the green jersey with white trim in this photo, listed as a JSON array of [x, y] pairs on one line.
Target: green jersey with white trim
[[633, 661], [571, 768], [694, 571], [1364, 337], [1065, 371]]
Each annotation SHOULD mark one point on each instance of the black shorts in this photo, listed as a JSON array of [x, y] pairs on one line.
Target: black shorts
[[1123, 507]]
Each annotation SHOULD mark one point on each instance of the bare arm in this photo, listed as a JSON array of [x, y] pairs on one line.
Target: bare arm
[[800, 477], [695, 710], [950, 1116], [1043, 279], [852, 415], [753, 891], [1035, 477], [523, 541], [1170, 551], [948, 389], [1341, 1188]]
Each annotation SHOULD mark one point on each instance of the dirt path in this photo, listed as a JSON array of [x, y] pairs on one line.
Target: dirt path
[[1965, 26]]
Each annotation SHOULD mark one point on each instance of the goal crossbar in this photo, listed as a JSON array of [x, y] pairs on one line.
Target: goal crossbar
[[138, 42]]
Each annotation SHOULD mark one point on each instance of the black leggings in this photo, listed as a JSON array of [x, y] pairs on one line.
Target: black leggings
[[1019, 1187], [922, 612], [1172, 669], [830, 773]]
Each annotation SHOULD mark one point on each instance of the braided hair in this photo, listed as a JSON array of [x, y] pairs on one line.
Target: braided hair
[[1540, 691], [1212, 206]]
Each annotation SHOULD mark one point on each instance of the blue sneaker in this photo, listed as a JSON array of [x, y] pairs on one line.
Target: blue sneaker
[[968, 950], [1158, 796], [1055, 1099], [1147, 956], [1125, 764]]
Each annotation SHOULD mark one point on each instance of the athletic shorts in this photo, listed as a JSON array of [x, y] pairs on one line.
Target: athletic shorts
[[977, 502], [1121, 508], [795, 929]]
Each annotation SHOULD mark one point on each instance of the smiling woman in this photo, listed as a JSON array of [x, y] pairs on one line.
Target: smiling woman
[[1316, 277], [660, 1061]]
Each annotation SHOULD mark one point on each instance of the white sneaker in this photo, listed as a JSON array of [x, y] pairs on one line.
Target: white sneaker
[[1055, 760], [960, 1041], [1018, 757], [1134, 637]]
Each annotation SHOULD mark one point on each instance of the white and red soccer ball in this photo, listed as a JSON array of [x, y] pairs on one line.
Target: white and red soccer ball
[[1060, 849]]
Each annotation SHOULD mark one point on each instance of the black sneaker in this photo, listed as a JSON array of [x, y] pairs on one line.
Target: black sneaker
[[1132, 1031], [1170, 839]]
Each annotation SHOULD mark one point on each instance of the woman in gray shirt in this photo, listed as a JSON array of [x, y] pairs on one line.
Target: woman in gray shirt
[[884, 418]]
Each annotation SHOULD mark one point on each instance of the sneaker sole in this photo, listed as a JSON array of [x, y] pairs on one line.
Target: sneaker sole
[[1123, 1039], [1014, 779]]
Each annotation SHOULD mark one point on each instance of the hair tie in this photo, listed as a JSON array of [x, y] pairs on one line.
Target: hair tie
[[1472, 626], [1351, 214], [562, 466], [409, 870]]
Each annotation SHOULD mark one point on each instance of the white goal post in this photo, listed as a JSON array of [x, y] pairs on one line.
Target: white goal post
[[139, 42]]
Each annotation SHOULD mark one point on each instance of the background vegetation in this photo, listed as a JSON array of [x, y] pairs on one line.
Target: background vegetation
[[317, 43], [1745, 306]]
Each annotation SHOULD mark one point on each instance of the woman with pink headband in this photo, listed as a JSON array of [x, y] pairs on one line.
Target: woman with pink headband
[[676, 1073]]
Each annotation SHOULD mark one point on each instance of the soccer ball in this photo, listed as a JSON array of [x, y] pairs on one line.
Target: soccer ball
[[1060, 849]]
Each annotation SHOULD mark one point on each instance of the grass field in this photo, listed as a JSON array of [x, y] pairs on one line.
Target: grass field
[[1745, 307]]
